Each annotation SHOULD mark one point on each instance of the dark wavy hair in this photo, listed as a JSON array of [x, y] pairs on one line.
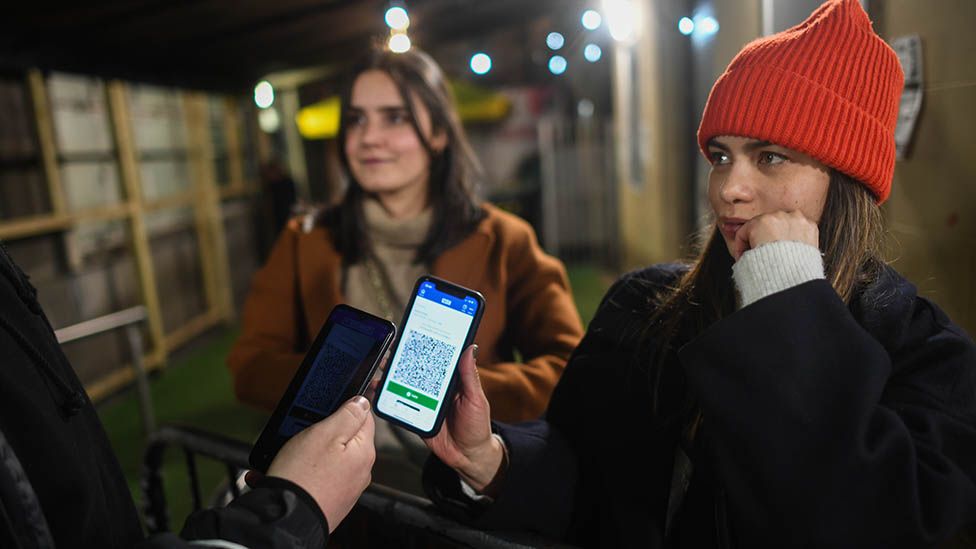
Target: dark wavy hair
[[851, 239], [454, 171]]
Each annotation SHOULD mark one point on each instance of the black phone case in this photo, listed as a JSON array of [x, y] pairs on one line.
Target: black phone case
[[265, 447], [455, 289]]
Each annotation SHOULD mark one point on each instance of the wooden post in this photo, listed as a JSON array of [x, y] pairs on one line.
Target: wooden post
[[262, 141], [206, 208], [45, 140], [129, 172], [232, 136]]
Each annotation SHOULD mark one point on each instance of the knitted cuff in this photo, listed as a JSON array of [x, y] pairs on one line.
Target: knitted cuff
[[774, 267]]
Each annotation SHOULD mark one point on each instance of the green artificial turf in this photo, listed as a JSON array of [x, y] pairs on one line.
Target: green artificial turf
[[588, 283], [195, 390]]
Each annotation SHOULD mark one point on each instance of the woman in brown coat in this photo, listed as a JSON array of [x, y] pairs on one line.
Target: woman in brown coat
[[410, 209]]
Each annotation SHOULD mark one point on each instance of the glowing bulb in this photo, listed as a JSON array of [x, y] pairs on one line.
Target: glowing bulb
[[621, 19], [555, 41], [585, 108], [399, 43], [268, 120], [480, 63], [557, 64], [686, 26], [263, 94], [707, 26], [591, 20], [592, 53], [397, 18]]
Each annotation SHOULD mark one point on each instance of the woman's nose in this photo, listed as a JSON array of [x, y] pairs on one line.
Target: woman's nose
[[371, 133], [738, 185]]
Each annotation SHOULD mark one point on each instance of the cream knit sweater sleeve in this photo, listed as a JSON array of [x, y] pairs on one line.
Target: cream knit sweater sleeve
[[775, 267]]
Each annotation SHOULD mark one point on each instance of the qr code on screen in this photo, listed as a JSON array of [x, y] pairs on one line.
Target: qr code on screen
[[327, 379], [423, 363]]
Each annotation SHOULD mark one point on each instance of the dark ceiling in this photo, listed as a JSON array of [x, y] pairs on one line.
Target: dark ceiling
[[229, 44]]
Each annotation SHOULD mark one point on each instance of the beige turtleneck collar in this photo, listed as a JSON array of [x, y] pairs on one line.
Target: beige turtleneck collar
[[394, 245], [397, 233]]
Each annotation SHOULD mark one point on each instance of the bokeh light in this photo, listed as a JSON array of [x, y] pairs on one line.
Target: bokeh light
[[592, 53], [396, 18], [480, 63], [557, 64], [591, 20]]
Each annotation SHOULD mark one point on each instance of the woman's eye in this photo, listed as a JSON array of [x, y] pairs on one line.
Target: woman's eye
[[718, 158], [353, 119], [396, 118], [769, 157]]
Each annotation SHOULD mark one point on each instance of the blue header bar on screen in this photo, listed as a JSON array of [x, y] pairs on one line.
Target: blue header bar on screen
[[466, 305], [351, 319]]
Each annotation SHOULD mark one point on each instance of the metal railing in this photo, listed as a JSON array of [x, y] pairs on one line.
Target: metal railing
[[193, 442], [414, 517], [129, 319]]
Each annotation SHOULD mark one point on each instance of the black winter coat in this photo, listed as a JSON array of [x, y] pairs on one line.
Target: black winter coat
[[60, 482], [824, 426]]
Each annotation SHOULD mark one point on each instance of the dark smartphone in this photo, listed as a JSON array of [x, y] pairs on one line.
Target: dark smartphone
[[338, 366], [440, 322]]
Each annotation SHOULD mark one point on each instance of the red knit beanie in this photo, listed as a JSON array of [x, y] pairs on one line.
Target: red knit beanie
[[828, 87]]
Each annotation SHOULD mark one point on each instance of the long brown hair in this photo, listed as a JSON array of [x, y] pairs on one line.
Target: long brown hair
[[851, 239], [454, 171]]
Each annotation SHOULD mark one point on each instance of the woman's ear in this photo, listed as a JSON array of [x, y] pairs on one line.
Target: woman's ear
[[438, 141]]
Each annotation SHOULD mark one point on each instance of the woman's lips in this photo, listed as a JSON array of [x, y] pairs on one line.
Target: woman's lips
[[730, 226], [373, 161]]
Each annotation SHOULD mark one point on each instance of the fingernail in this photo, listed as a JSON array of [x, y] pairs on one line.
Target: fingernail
[[474, 351], [361, 401]]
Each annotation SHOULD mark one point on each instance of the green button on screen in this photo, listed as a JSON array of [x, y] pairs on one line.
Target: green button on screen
[[412, 395]]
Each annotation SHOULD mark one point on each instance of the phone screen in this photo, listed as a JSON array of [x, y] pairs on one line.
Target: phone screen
[[351, 340], [431, 343], [338, 366]]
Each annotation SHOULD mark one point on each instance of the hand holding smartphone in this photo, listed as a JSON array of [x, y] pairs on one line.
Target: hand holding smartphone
[[440, 322], [338, 366]]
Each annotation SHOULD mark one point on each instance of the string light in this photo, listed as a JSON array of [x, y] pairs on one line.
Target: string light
[[480, 63], [397, 18]]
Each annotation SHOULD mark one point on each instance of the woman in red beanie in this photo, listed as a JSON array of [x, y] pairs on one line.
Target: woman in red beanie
[[786, 387]]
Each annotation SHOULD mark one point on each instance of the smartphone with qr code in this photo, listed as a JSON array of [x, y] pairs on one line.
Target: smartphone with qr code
[[440, 322], [339, 365]]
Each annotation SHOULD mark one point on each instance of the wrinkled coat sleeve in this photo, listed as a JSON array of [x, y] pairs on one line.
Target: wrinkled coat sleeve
[[263, 359], [539, 489], [276, 514], [822, 437], [543, 324]]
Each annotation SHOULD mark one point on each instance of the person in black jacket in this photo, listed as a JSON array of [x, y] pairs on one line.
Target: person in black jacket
[[787, 388], [61, 486]]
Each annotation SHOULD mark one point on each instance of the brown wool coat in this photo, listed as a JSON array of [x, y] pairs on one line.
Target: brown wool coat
[[529, 307]]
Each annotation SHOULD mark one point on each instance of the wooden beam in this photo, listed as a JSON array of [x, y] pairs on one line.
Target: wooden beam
[[34, 225], [44, 124], [26, 227], [206, 207], [191, 329], [103, 213], [230, 192], [200, 153], [177, 200], [262, 141], [111, 383], [129, 172], [232, 136]]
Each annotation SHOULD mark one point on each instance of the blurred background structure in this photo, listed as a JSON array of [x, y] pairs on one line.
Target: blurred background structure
[[132, 136]]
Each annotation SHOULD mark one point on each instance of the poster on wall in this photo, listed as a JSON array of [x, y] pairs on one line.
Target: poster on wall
[[909, 50]]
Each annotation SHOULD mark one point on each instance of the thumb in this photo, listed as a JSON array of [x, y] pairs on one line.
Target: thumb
[[347, 421], [470, 380]]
